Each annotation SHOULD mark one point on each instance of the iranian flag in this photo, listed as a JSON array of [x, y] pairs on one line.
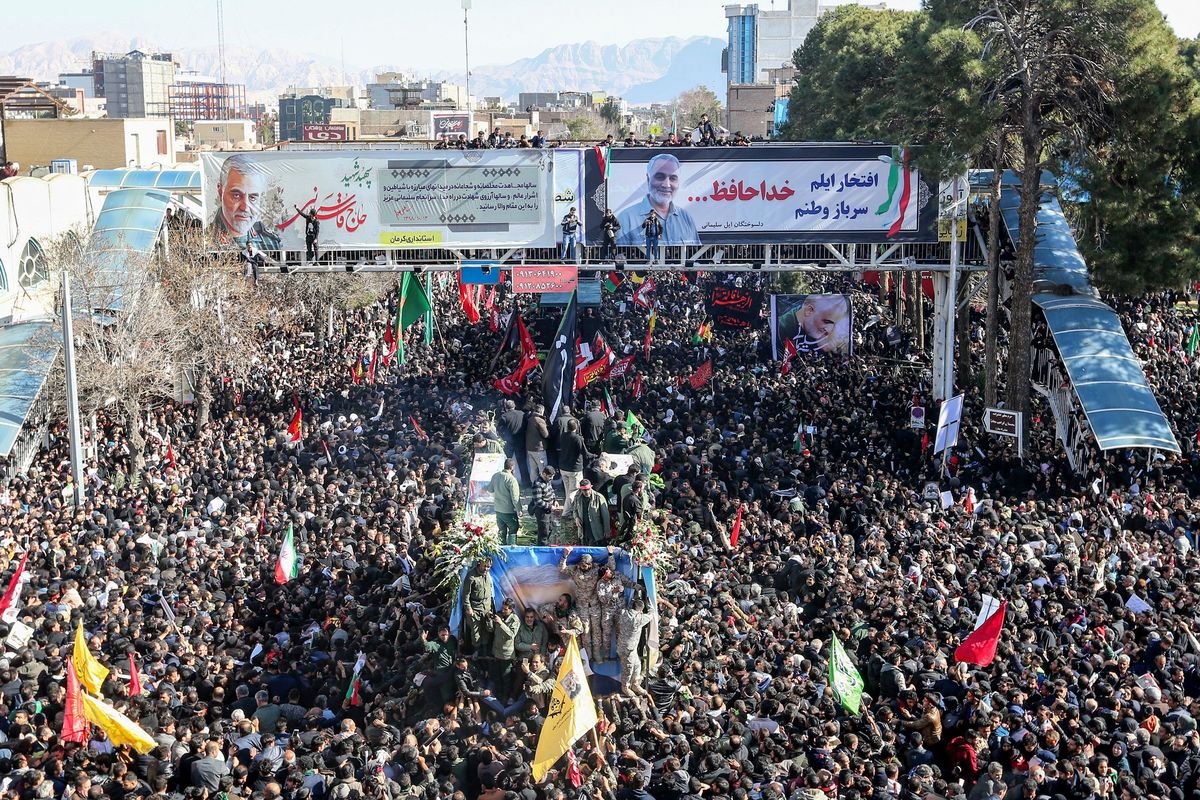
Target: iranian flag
[[288, 565]]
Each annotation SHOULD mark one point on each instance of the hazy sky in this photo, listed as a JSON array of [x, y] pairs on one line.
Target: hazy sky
[[421, 34]]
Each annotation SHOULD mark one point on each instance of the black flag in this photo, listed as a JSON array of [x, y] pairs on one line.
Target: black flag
[[559, 381]]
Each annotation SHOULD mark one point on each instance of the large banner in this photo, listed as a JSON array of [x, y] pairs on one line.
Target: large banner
[[815, 323], [450, 125], [381, 198], [568, 188], [732, 307], [785, 194]]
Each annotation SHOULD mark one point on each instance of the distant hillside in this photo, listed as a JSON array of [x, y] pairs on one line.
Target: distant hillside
[[642, 71]]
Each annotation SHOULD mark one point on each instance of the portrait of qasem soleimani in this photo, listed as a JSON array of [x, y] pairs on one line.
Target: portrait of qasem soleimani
[[816, 323], [663, 180], [242, 191]]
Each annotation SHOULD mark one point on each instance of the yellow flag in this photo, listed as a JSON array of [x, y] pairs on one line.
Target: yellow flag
[[91, 672], [120, 728], [570, 716]]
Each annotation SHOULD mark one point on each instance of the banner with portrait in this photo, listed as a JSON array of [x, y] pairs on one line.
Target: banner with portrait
[[380, 198], [791, 194], [815, 323], [732, 307]]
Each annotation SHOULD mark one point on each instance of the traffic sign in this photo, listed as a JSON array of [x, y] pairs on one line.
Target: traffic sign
[[1002, 422]]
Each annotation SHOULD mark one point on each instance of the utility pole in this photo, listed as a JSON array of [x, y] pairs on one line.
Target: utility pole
[[72, 393]]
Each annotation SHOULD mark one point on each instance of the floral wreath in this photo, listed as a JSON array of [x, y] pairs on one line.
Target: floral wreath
[[648, 548], [463, 545]]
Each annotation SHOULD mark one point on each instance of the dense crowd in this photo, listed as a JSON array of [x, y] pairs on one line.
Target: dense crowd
[[248, 682]]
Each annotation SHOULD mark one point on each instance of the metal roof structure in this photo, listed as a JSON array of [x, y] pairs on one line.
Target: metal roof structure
[[1105, 374], [172, 180], [27, 353]]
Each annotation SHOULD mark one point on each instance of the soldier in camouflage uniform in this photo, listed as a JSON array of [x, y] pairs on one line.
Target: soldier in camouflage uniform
[[630, 624], [586, 578], [479, 608], [611, 593]]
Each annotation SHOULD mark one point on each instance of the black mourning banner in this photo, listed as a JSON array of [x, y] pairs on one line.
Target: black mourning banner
[[732, 308]]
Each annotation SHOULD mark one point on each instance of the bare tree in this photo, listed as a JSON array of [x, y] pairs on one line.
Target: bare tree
[[216, 303], [128, 341]]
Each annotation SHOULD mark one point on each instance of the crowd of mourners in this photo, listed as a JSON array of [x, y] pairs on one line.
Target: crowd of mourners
[[1094, 692]]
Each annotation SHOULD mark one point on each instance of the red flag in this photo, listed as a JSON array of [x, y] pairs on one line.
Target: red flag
[[737, 528], [293, 428], [468, 301], [417, 427], [619, 368], [701, 375], [489, 304], [980, 647], [511, 384], [170, 455], [135, 680], [924, 442], [969, 501], [389, 338], [637, 387], [14, 586], [789, 352], [371, 369], [75, 726], [573, 773], [641, 295]]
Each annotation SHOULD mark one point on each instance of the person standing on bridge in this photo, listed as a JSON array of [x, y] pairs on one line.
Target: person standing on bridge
[[312, 229]]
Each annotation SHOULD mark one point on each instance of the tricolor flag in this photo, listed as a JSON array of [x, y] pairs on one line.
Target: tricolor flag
[[844, 678], [354, 692], [603, 155], [703, 333], [979, 648], [293, 427], [288, 565], [13, 593]]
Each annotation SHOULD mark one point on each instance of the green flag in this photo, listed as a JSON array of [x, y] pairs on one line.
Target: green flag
[[635, 425], [429, 309], [844, 678], [414, 304], [1194, 342]]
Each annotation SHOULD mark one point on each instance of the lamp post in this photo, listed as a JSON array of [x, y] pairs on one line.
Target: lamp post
[[466, 6]]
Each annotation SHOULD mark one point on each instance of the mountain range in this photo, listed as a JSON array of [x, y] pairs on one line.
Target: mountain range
[[642, 71]]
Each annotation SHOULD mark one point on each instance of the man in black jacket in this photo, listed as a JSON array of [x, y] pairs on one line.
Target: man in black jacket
[[511, 427], [572, 457], [592, 426]]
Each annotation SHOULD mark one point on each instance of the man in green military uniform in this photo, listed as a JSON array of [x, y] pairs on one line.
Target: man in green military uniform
[[643, 456], [590, 511], [504, 634], [439, 683], [506, 494], [478, 612], [617, 440]]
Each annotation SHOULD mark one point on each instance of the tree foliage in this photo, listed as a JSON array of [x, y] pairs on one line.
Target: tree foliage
[[694, 103], [1137, 210]]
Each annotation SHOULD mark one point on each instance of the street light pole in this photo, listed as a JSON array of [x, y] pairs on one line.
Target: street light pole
[[466, 6], [72, 393]]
